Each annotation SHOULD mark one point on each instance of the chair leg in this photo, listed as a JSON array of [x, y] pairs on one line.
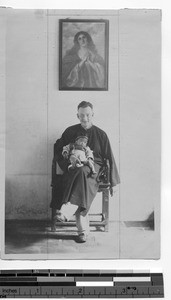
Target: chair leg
[[105, 208], [53, 225]]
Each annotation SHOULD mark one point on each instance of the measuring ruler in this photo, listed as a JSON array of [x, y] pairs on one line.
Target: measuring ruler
[[80, 284]]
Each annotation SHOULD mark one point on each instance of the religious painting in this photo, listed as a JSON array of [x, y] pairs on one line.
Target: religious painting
[[83, 54]]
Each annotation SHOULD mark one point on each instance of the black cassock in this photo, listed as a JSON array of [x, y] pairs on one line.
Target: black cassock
[[80, 185]]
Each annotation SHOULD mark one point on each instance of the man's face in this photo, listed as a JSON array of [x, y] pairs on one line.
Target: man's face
[[85, 115]]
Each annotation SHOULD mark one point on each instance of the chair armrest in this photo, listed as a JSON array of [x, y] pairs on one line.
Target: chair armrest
[[56, 170], [104, 175]]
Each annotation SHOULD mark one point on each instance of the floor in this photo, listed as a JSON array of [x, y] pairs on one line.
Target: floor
[[123, 240]]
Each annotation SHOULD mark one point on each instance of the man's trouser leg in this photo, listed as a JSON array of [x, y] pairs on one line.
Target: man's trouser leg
[[82, 223]]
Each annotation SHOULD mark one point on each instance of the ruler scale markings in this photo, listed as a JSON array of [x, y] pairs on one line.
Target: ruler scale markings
[[157, 290], [80, 284]]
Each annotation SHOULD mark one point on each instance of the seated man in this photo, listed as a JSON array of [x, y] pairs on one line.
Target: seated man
[[80, 185]]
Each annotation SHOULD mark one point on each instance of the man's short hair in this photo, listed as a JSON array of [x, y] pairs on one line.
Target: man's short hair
[[85, 104]]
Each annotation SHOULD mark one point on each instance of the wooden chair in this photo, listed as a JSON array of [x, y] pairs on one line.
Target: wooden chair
[[104, 188]]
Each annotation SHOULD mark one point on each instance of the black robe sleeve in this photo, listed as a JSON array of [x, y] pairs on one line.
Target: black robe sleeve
[[114, 175]]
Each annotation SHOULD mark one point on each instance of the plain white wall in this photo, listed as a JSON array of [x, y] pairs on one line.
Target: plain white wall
[[140, 109], [26, 115], [37, 112]]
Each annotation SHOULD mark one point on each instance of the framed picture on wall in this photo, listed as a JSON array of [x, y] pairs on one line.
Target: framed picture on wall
[[83, 54]]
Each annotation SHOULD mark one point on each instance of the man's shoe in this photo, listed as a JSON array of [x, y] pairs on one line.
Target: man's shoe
[[82, 238], [60, 217]]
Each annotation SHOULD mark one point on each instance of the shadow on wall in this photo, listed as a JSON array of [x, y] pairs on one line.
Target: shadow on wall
[[150, 221], [148, 224]]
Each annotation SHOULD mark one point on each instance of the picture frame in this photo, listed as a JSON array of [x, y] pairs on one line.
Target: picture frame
[[83, 54]]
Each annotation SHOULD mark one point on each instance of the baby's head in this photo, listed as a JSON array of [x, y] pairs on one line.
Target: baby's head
[[82, 140]]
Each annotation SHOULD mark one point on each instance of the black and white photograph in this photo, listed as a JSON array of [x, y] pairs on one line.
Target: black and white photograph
[[82, 93], [83, 59]]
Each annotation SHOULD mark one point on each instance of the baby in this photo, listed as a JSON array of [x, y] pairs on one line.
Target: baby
[[79, 154]]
